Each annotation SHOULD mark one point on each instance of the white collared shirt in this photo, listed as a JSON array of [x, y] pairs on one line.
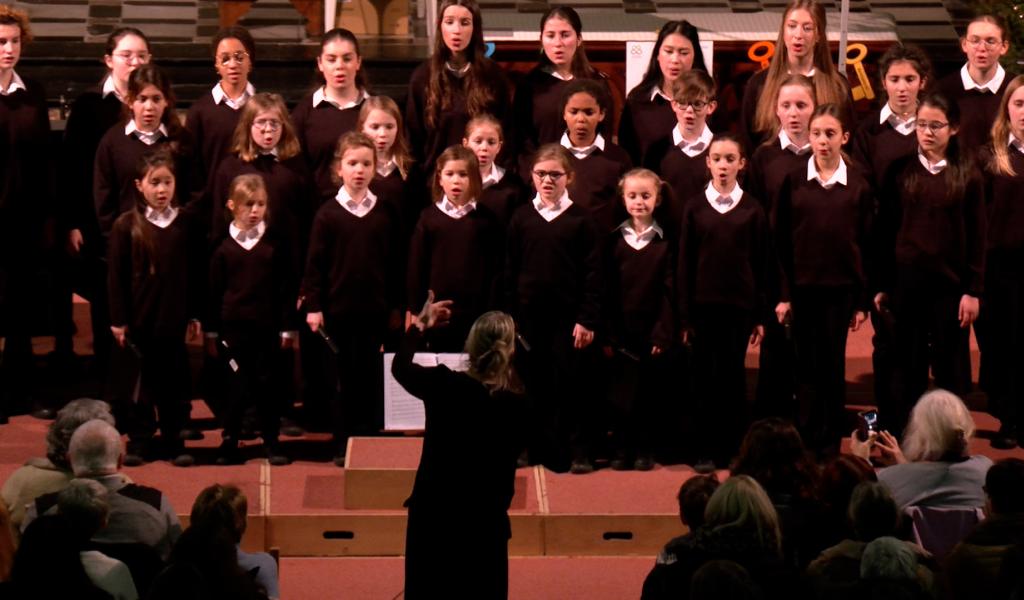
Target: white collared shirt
[[550, 213], [147, 137], [360, 208], [695, 147], [585, 151], [787, 143], [807, 74], [838, 177], [991, 86], [550, 70], [247, 238], [1014, 142], [901, 125], [271, 152], [656, 91], [387, 167], [637, 240], [109, 88], [456, 212], [16, 84], [320, 97], [493, 177], [161, 218], [933, 168], [723, 203], [236, 103]]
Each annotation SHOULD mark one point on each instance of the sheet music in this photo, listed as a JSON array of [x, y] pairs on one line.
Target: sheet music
[[402, 410]]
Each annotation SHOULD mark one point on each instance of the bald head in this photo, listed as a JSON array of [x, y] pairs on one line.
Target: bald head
[[95, 449]]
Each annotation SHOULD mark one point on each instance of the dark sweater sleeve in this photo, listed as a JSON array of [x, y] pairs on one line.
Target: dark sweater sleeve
[[196, 268], [881, 278], [627, 134], [119, 275], [215, 292], [864, 242], [316, 266], [415, 125], [685, 261], [589, 314], [974, 224], [513, 262], [784, 238], [763, 266], [418, 275], [664, 327], [426, 383], [104, 187]]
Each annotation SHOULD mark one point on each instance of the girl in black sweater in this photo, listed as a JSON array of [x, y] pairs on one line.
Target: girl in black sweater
[[503, 192], [154, 258], [350, 291], [721, 282], [250, 315], [455, 250], [563, 59], [638, 267], [397, 179], [455, 443], [454, 85], [931, 258], [999, 330], [332, 109], [553, 289], [212, 119], [822, 223], [92, 114], [647, 114]]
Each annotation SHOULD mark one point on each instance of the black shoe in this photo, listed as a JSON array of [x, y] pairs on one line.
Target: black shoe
[[228, 453], [133, 460], [621, 462], [705, 466], [523, 461], [644, 462], [581, 466], [339, 460], [183, 459], [248, 434], [136, 454], [3, 419], [43, 413], [1006, 439], [275, 456], [190, 434], [290, 428]]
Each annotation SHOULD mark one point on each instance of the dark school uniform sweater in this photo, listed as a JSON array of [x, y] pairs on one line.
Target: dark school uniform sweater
[[156, 296], [768, 168], [211, 127], [639, 288], [685, 175], [505, 197], [643, 122], [26, 178], [352, 270], [1004, 201], [822, 235], [723, 258], [117, 162], [595, 185], [536, 118], [876, 146], [92, 114], [318, 129], [428, 142], [942, 239], [460, 259], [978, 110], [254, 287], [553, 268]]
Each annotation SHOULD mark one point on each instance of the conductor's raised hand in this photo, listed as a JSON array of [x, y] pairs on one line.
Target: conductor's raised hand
[[858, 319], [969, 308], [782, 311], [315, 320], [434, 314], [119, 334], [757, 335], [581, 337]]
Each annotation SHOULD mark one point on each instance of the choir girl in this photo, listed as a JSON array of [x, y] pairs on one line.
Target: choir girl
[[250, 314], [563, 58], [26, 198], [801, 48], [502, 195], [721, 282], [454, 85], [396, 179], [978, 86], [151, 125], [885, 136], [92, 114], [931, 258], [212, 119], [822, 222], [553, 289], [264, 143], [647, 114], [999, 329], [350, 291], [332, 109], [455, 250], [638, 309], [598, 163], [680, 156], [155, 262]]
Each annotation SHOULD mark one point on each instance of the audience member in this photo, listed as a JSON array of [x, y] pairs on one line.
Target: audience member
[[43, 475], [204, 566], [47, 565], [973, 566], [693, 500], [889, 569], [774, 454], [839, 477], [226, 507], [138, 514], [933, 468], [719, 579], [83, 504]]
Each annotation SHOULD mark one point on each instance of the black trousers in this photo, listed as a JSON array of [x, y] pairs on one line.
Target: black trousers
[[356, 376], [721, 335], [251, 363], [883, 359], [776, 373], [637, 391], [156, 380], [927, 334], [1000, 330], [821, 322]]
